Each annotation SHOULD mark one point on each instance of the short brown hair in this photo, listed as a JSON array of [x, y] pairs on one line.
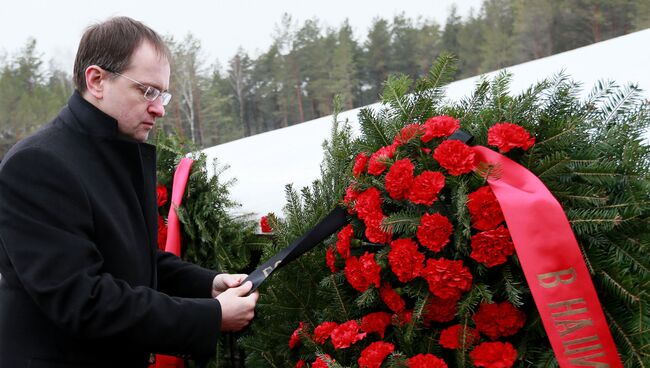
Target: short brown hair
[[110, 44]]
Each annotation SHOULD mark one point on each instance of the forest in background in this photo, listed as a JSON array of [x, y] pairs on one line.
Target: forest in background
[[307, 64]]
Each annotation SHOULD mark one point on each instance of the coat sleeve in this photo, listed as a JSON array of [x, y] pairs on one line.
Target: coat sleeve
[[179, 278], [46, 235]]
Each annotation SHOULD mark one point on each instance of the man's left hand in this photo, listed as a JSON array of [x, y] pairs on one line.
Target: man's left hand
[[225, 281]]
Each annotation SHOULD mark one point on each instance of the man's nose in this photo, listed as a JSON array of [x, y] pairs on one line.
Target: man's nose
[[156, 108]]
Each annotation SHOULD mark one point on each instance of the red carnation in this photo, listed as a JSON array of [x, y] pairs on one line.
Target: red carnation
[[494, 355], [426, 361], [507, 136], [346, 334], [447, 279], [439, 126], [295, 336], [343, 243], [405, 260], [484, 210], [492, 247], [455, 156], [375, 322], [407, 133], [498, 320], [330, 260], [374, 233], [368, 204], [321, 362], [391, 298], [350, 198], [434, 231], [323, 331], [360, 164], [399, 179], [162, 233], [161, 195], [456, 336], [439, 310], [374, 354], [300, 364], [264, 225], [425, 187], [362, 272], [402, 318], [377, 163]]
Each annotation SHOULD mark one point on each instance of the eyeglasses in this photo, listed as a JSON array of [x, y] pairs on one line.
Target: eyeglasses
[[150, 93]]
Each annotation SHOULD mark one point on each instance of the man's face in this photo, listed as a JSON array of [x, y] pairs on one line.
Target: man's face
[[124, 99]]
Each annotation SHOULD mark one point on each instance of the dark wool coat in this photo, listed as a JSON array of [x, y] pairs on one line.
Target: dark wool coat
[[83, 283]]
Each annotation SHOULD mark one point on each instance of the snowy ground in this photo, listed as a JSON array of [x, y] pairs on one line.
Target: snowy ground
[[263, 164]]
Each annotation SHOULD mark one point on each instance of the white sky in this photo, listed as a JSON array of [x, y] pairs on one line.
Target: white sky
[[221, 26]]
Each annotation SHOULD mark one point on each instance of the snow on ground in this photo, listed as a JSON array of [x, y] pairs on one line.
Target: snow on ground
[[263, 164]]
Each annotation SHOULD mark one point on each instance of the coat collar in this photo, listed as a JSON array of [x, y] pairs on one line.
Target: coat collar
[[86, 118]]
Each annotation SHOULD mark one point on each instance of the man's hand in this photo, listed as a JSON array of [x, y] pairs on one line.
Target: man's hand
[[225, 281], [237, 309]]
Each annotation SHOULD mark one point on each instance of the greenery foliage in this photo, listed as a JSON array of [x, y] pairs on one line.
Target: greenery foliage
[[591, 155]]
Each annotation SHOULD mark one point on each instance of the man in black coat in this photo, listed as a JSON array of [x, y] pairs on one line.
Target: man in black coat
[[83, 282]]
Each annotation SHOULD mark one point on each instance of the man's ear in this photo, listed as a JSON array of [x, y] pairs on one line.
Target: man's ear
[[95, 78]]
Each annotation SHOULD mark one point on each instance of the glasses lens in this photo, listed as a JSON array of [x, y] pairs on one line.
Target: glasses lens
[[151, 93], [165, 97]]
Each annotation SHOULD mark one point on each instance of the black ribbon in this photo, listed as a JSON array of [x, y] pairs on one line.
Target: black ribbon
[[330, 224]]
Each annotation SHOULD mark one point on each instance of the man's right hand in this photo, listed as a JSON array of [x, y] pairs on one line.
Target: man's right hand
[[237, 308]]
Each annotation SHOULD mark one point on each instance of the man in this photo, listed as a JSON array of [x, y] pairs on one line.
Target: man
[[83, 283]]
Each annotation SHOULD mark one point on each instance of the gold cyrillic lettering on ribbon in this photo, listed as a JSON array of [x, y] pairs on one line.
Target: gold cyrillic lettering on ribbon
[[553, 279], [568, 306]]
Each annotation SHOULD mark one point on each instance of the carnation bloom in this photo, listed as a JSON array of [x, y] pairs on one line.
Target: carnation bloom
[[439, 310], [377, 162], [162, 233], [407, 133], [391, 298], [294, 340], [399, 179], [368, 204], [426, 361], [498, 320], [494, 355], [507, 136], [373, 355], [330, 259], [439, 126], [492, 247], [374, 232], [434, 231], [375, 322], [484, 210], [323, 331], [161, 195], [300, 364], [264, 225], [405, 260], [350, 198], [320, 362], [426, 187], [346, 334], [360, 163], [343, 243], [447, 279], [456, 336], [455, 156], [362, 272]]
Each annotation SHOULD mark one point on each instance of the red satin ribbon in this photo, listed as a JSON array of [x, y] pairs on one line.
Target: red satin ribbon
[[553, 265], [173, 244]]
